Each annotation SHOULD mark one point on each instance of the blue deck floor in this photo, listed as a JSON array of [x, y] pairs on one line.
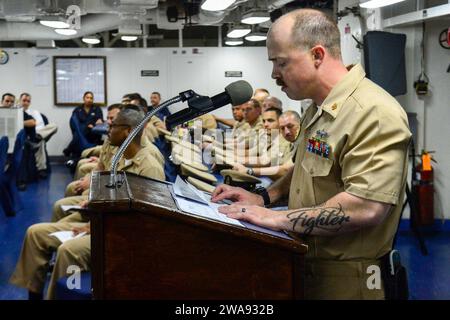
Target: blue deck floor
[[429, 276]]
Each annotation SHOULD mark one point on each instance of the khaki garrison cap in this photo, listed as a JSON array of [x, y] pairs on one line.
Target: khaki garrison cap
[[206, 138], [164, 131], [194, 164], [191, 146], [199, 184], [183, 143], [188, 171], [170, 138], [180, 154], [238, 179]]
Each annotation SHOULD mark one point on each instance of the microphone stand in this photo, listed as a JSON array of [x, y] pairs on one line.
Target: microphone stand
[[114, 182]]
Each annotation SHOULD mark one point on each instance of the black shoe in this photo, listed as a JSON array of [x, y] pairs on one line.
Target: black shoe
[[22, 186], [43, 174], [70, 164]]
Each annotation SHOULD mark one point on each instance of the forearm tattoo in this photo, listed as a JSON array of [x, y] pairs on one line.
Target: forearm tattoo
[[330, 219]]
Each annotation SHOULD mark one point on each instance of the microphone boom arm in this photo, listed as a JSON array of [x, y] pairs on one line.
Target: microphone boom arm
[[113, 181]]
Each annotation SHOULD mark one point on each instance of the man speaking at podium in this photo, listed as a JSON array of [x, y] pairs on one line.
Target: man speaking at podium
[[347, 184]]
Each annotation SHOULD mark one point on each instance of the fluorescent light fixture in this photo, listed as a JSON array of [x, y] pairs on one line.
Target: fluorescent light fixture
[[255, 17], [238, 32], [234, 42], [256, 36], [66, 32], [129, 38], [56, 24], [91, 40], [216, 5], [372, 4]]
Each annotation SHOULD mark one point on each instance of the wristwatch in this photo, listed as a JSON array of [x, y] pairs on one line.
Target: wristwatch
[[250, 171], [264, 194]]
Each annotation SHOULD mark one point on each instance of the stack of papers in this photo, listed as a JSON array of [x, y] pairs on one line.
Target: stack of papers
[[191, 200]]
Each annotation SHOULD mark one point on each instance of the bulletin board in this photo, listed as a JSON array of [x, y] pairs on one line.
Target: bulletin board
[[74, 75]]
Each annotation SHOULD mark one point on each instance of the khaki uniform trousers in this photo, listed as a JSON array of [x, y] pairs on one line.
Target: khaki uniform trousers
[[91, 152], [70, 190], [38, 247], [59, 213], [340, 280], [84, 167]]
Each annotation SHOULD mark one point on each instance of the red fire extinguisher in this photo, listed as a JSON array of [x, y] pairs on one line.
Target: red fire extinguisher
[[424, 190]]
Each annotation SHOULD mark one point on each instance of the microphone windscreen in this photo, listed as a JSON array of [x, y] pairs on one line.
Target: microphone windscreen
[[240, 92]]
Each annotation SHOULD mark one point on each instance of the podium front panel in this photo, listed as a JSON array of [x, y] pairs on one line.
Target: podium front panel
[[149, 250]]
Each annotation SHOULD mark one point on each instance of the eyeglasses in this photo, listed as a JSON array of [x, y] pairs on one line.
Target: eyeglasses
[[114, 125]]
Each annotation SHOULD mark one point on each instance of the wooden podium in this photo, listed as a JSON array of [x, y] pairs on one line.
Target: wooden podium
[[143, 247]]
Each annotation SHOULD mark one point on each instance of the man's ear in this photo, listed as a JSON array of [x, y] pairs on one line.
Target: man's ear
[[318, 54]]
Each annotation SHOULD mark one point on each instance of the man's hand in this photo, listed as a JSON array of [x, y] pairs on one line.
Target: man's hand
[[82, 184], [90, 126], [238, 195], [257, 215], [99, 121], [86, 228], [93, 159], [239, 167], [84, 204]]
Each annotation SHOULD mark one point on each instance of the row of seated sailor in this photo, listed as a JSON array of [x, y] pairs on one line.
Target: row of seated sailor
[[141, 157], [37, 132]]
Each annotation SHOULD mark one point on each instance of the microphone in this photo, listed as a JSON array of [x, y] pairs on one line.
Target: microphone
[[235, 93]]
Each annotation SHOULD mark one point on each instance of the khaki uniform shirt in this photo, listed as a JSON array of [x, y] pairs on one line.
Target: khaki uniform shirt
[[108, 152], [237, 128], [275, 147], [153, 149], [150, 130], [251, 133], [281, 150], [367, 135], [257, 126], [143, 164]]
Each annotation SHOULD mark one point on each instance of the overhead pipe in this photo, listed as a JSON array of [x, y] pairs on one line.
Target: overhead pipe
[[23, 31]]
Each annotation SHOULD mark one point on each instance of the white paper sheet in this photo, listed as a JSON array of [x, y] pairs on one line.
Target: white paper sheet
[[68, 207], [64, 236], [185, 190], [209, 210]]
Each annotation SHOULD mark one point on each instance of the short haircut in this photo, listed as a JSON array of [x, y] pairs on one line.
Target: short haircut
[[143, 103], [24, 94], [132, 96], [157, 93], [133, 107], [255, 102], [115, 106], [262, 90], [313, 27], [276, 101], [7, 94], [132, 118], [276, 110], [293, 113], [88, 92]]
